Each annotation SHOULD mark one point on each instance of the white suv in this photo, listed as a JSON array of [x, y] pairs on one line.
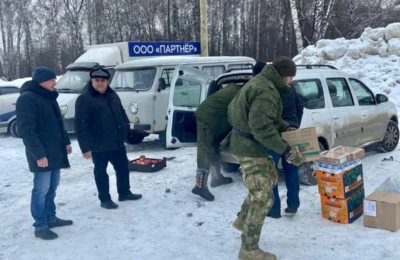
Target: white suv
[[9, 93], [342, 108]]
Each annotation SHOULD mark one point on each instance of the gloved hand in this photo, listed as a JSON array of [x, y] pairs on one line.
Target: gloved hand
[[295, 157]]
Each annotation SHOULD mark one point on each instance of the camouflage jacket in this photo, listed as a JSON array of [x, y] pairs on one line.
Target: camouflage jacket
[[214, 110], [257, 111]]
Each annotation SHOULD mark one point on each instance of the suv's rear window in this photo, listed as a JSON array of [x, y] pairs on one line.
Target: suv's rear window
[[310, 92]]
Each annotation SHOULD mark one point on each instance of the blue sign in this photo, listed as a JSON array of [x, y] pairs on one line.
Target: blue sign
[[140, 49]]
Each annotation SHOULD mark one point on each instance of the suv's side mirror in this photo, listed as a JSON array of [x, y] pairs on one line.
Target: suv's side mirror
[[161, 84], [381, 98]]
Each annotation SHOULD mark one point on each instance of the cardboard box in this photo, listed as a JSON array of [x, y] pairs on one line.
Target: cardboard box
[[343, 211], [356, 153], [340, 185], [382, 210], [306, 140], [334, 158]]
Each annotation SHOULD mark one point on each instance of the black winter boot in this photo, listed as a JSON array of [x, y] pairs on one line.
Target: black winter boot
[[291, 211], [46, 234], [201, 187], [217, 179], [129, 196], [60, 223], [109, 205]]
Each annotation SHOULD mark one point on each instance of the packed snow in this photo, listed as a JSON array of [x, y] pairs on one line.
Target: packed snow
[[20, 82], [373, 58], [160, 226]]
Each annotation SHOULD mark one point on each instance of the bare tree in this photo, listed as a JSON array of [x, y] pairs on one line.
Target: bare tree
[[75, 13], [296, 25]]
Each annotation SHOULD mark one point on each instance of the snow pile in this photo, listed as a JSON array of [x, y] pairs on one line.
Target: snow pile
[[374, 58], [20, 82]]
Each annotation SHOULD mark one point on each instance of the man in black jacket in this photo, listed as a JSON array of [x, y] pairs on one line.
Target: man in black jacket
[[101, 126], [47, 146], [292, 113]]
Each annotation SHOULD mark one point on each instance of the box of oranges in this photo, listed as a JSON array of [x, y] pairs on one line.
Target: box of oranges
[[343, 211], [144, 164]]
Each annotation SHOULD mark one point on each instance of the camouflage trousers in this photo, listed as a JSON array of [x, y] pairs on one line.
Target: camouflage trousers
[[207, 145], [259, 177]]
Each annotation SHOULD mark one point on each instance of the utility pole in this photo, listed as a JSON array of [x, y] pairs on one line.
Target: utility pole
[[203, 28], [169, 21]]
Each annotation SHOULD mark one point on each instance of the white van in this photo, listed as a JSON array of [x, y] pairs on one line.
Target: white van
[[107, 56], [144, 85], [73, 82]]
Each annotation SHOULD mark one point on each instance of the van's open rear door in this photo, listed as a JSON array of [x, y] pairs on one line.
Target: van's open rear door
[[188, 90]]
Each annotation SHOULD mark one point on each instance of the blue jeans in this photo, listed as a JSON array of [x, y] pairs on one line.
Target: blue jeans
[[292, 184], [43, 208]]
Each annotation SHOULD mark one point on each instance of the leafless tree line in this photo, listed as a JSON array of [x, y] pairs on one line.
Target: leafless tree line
[[54, 32]]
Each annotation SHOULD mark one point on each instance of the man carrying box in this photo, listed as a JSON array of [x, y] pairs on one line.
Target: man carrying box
[[255, 115], [292, 113]]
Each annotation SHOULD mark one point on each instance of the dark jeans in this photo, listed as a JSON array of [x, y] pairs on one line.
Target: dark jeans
[[292, 184], [120, 162], [43, 208]]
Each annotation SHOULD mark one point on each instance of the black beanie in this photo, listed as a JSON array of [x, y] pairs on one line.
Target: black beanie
[[258, 67], [285, 66], [42, 74]]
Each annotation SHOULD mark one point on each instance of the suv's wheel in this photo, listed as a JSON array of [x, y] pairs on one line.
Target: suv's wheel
[[134, 138], [13, 129], [307, 174], [162, 138], [229, 167], [391, 138]]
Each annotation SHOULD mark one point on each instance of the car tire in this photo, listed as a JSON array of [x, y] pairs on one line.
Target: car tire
[[13, 129], [391, 138], [307, 174], [134, 138], [229, 167], [162, 138]]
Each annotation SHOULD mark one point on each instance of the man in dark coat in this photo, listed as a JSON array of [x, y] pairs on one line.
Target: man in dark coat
[[40, 125], [292, 114], [212, 128], [101, 126]]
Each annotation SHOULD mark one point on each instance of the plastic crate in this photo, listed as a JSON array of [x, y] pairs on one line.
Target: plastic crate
[[150, 167]]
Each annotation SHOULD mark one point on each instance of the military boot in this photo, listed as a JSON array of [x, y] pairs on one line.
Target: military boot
[[256, 254], [217, 179], [238, 224], [201, 187]]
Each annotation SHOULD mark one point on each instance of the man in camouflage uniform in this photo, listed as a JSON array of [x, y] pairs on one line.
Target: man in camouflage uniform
[[255, 115], [212, 128]]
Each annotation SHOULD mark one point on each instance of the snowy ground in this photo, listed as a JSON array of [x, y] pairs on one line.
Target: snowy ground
[[157, 227]]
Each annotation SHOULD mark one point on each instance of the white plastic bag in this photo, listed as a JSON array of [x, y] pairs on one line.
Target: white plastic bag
[[391, 184]]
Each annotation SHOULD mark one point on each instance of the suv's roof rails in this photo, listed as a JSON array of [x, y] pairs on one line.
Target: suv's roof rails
[[230, 70], [311, 66]]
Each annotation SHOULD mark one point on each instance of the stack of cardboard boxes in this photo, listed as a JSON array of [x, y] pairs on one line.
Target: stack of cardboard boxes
[[340, 184]]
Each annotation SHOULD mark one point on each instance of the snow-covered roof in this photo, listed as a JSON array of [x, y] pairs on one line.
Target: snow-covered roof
[[173, 61]]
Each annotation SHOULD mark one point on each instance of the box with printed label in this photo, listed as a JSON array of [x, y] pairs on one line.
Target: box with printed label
[[342, 184], [382, 210], [343, 211], [356, 153], [334, 158], [306, 140]]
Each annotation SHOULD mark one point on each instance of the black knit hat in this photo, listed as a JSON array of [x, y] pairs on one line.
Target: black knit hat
[[285, 66], [99, 73], [42, 74], [258, 67]]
